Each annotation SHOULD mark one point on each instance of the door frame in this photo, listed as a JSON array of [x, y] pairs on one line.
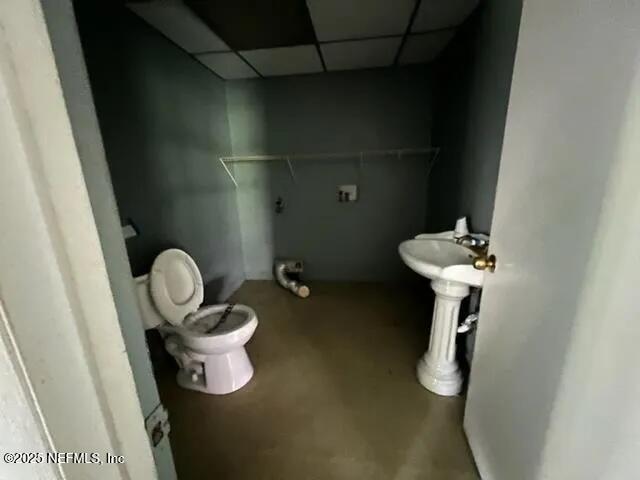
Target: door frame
[[58, 321]]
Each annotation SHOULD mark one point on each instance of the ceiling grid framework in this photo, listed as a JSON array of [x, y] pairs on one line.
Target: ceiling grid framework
[[246, 39]]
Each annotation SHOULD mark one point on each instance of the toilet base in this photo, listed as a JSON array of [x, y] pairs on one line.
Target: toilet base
[[222, 373]]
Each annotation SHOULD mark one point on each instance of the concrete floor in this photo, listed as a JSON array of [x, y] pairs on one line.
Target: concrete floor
[[334, 395]]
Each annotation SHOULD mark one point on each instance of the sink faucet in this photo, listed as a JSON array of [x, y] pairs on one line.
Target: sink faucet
[[471, 241]]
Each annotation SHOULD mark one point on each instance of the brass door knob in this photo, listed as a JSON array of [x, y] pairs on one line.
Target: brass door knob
[[485, 263]]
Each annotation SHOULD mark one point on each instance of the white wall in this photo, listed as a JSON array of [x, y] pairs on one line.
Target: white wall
[[557, 397], [19, 415], [595, 424]]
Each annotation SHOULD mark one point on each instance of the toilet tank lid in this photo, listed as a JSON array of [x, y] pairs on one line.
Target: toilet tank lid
[[175, 285]]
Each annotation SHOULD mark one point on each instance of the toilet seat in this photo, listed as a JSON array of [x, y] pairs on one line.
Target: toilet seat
[[206, 321], [175, 285], [237, 329]]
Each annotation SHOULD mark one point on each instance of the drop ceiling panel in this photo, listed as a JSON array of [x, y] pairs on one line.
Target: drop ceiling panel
[[255, 24], [228, 65], [425, 47], [176, 21], [284, 60], [434, 14], [379, 52], [350, 19]]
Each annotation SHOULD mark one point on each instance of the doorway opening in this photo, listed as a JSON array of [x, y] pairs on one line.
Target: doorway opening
[[314, 132]]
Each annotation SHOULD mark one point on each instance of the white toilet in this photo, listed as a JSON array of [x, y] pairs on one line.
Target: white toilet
[[208, 341]]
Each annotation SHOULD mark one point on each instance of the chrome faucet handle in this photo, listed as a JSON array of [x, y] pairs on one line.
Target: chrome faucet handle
[[471, 241], [481, 242]]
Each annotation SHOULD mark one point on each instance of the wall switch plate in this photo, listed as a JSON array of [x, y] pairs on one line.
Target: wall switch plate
[[347, 193]]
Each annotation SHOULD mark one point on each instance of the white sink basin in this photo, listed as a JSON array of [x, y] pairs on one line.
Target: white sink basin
[[450, 267], [441, 259]]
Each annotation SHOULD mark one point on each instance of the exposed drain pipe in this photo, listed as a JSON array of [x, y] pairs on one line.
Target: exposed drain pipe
[[282, 269]]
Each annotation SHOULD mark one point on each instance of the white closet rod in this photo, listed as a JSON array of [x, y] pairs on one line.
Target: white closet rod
[[309, 156], [399, 152]]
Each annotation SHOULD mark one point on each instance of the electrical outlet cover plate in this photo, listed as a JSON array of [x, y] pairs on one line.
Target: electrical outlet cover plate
[[347, 193], [157, 425]]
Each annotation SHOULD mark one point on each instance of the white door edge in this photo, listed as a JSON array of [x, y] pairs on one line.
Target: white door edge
[[58, 307]]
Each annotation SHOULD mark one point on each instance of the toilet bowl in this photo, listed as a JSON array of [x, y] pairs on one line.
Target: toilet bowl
[[207, 342]]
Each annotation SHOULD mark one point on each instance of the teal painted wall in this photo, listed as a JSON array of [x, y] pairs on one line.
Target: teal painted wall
[[370, 109], [165, 119], [474, 81], [164, 123], [336, 112]]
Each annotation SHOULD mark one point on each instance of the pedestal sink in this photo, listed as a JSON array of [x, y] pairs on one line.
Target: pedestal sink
[[450, 268]]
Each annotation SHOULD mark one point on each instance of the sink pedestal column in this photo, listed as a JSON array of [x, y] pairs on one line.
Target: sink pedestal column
[[438, 369]]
